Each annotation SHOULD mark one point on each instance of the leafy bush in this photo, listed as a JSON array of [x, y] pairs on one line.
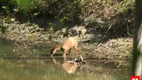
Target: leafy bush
[[102, 13]]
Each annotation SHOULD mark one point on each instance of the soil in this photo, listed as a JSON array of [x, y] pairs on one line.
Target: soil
[[116, 51]]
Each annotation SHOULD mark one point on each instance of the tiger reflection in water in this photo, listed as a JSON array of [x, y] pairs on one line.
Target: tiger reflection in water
[[70, 66]]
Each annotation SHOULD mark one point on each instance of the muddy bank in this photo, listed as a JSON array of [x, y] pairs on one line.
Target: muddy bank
[[89, 43], [115, 51]]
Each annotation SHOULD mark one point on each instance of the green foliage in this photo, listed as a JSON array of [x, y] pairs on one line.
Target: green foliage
[[25, 5], [125, 6], [73, 11], [9, 3], [50, 27], [65, 11], [64, 19], [7, 6], [3, 28], [70, 12], [6, 9]]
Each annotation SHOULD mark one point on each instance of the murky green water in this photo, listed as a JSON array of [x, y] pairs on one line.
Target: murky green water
[[19, 63]]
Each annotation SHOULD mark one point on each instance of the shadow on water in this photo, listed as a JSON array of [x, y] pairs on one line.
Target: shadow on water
[[17, 63]]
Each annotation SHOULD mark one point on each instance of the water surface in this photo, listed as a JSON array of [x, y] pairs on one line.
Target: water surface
[[34, 63]]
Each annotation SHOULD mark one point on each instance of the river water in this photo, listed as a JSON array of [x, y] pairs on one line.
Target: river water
[[34, 63]]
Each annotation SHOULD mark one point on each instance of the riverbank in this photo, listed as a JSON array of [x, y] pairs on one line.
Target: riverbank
[[20, 63], [90, 46]]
